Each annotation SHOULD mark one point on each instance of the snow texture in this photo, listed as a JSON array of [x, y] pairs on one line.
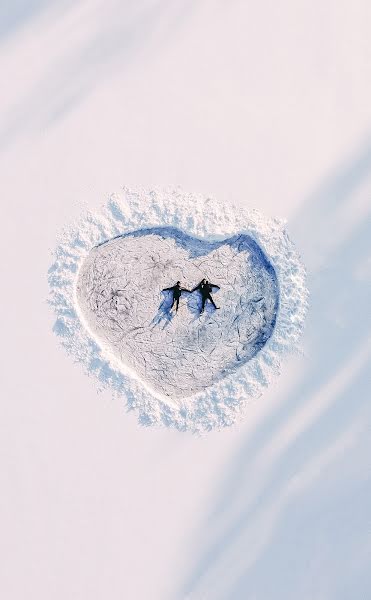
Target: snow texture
[[119, 292], [185, 370]]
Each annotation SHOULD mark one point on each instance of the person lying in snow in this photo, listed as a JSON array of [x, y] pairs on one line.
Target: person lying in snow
[[205, 288], [177, 292]]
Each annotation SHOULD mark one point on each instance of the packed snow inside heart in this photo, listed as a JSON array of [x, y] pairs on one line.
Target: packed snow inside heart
[[180, 312], [189, 369]]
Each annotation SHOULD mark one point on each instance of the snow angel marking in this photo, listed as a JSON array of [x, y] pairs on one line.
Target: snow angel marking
[[205, 288], [177, 292]]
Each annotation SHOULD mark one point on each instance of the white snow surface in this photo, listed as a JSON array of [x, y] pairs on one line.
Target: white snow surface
[[120, 292], [263, 104], [97, 282]]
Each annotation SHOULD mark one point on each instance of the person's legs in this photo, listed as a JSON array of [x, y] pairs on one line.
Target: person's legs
[[203, 303], [177, 304], [212, 301]]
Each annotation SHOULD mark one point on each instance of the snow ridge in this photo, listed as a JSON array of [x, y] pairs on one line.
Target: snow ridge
[[225, 399]]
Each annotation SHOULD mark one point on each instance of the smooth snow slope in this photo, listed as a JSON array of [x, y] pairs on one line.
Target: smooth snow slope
[[119, 291]]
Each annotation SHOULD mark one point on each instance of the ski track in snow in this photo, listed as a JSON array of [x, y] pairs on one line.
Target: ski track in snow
[[247, 255]]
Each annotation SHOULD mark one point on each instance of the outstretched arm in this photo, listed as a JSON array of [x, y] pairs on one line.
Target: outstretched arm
[[167, 289], [215, 286], [185, 290], [197, 287]]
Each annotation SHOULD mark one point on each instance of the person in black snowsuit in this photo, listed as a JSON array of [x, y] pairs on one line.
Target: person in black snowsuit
[[205, 288], [177, 292]]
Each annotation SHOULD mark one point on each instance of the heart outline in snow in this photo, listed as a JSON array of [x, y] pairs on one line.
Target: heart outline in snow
[[119, 285], [223, 403]]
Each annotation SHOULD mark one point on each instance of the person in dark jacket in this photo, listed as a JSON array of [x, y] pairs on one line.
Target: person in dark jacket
[[205, 288], [177, 292]]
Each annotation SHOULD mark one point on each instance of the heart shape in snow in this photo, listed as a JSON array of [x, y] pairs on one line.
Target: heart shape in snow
[[119, 293]]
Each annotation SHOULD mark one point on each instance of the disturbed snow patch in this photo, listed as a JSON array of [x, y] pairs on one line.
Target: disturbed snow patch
[[119, 291], [93, 333]]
